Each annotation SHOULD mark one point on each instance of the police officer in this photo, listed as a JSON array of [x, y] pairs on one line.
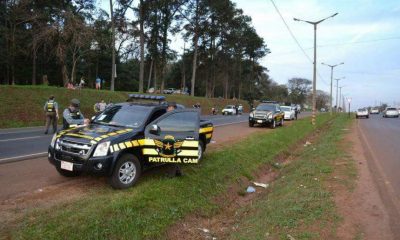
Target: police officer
[[72, 115], [175, 169], [51, 111]]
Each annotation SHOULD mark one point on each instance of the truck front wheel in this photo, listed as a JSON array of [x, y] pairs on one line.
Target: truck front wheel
[[201, 150], [126, 172]]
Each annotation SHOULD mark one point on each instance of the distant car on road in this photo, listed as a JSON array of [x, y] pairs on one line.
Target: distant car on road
[[229, 110], [391, 112], [375, 110], [289, 112], [169, 91], [362, 112]]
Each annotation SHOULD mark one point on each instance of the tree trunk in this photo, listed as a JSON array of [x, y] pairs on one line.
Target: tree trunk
[[226, 89], [141, 74], [183, 83], [64, 72], [113, 47], [150, 73], [193, 81], [34, 65], [155, 75]]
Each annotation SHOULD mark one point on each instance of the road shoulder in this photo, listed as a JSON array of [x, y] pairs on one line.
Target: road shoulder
[[365, 216]]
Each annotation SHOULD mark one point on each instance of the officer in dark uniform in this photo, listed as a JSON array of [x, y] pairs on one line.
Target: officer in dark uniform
[[72, 116], [51, 110], [174, 168]]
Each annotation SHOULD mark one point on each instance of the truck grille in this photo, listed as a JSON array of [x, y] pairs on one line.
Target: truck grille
[[259, 115], [77, 148]]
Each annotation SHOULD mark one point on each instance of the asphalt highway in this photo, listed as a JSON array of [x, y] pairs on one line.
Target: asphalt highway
[[26, 143], [382, 139]]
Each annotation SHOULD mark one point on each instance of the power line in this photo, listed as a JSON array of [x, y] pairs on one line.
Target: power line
[[295, 39]]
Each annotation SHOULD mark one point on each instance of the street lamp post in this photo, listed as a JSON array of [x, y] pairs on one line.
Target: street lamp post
[[337, 90], [340, 94], [315, 63], [332, 66]]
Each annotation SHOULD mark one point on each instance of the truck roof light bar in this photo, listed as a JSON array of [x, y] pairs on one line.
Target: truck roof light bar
[[146, 97]]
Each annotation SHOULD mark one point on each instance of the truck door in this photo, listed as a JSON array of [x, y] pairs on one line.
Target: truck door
[[173, 138]]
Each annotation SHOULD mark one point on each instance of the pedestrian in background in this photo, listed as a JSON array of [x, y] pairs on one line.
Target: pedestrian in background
[[51, 111], [98, 83], [102, 105]]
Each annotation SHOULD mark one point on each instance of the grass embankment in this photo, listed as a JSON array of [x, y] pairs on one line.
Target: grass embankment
[[22, 106], [301, 203], [149, 208]]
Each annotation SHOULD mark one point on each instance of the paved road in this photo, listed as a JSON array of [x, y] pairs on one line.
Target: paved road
[[382, 136], [26, 143]]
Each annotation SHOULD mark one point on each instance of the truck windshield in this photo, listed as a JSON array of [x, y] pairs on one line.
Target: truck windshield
[[265, 107], [124, 116]]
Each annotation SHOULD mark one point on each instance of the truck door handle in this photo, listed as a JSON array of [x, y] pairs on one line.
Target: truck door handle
[[189, 138]]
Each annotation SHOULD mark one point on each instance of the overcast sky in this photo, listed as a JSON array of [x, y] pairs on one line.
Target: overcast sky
[[364, 35]]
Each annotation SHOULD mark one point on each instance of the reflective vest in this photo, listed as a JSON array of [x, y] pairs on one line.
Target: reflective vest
[[73, 115], [50, 106]]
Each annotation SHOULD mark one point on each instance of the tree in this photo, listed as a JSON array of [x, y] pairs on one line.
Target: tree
[[298, 88]]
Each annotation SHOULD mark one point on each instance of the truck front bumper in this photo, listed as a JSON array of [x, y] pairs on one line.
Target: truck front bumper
[[94, 165], [260, 120]]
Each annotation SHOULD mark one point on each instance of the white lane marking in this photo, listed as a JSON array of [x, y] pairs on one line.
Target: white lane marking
[[225, 124], [17, 139], [17, 157], [4, 133]]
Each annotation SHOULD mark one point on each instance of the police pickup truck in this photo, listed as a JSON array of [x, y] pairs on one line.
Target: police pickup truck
[[267, 114], [129, 137]]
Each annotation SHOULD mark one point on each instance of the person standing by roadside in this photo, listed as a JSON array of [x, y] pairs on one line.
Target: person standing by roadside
[[102, 105], [98, 83], [51, 111]]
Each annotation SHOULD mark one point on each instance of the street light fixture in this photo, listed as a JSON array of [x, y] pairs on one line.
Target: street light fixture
[[315, 61], [331, 66], [337, 89]]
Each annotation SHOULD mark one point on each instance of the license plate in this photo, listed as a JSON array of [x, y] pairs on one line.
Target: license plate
[[67, 166], [259, 121]]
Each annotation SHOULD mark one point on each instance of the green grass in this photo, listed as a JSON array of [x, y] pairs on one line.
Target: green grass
[[148, 209], [22, 106], [301, 203]]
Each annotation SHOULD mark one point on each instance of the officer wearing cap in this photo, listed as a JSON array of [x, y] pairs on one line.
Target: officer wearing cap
[[72, 116], [51, 110]]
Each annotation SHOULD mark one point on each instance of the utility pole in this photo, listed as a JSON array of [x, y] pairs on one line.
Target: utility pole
[[314, 105], [331, 66], [337, 90], [340, 94], [113, 47]]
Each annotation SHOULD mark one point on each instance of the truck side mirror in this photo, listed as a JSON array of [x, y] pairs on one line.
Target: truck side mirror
[[154, 129]]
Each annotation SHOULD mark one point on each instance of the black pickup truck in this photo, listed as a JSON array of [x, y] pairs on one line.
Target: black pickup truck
[[130, 137]]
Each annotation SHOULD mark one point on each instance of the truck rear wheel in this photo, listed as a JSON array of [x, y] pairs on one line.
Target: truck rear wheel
[[126, 172]]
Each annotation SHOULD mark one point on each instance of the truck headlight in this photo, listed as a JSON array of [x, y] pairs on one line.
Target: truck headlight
[[252, 114], [269, 116], [101, 149], [53, 140]]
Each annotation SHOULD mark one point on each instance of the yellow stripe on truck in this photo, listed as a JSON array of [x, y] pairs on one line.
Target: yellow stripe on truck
[[190, 144], [149, 151], [146, 142], [189, 153], [206, 129]]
